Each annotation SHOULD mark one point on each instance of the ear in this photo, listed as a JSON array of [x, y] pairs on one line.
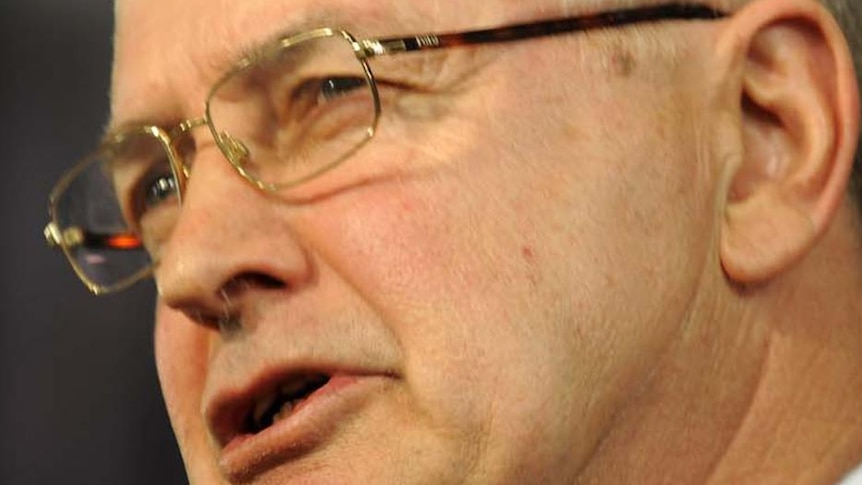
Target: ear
[[798, 124]]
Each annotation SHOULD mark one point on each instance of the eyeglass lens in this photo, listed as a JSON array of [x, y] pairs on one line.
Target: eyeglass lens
[[282, 118], [295, 112], [119, 207]]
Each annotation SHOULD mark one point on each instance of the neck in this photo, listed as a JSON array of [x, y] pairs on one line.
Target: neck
[[763, 385], [803, 424]]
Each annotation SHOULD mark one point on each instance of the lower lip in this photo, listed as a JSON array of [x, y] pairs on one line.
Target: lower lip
[[314, 421]]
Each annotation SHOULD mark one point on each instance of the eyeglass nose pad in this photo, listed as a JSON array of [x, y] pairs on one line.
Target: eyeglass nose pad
[[235, 150]]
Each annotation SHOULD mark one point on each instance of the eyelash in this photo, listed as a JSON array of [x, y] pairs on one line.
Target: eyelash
[[140, 198]]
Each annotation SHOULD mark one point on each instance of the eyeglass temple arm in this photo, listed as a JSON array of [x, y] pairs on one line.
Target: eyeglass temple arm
[[75, 236], [616, 18]]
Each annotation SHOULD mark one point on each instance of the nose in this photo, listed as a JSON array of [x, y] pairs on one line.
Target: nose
[[232, 244]]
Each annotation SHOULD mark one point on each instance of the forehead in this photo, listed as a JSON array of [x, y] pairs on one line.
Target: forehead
[[164, 47], [168, 52]]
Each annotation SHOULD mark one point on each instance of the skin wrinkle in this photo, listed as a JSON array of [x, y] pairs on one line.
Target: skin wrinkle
[[232, 44], [820, 357], [437, 81], [381, 310], [746, 414], [771, 447], [647, 383]]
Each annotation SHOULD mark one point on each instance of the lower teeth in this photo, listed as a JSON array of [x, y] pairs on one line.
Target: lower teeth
[[285, 411]]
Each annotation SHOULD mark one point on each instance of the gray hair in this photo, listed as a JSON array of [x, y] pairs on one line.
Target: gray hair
[[849, 15]]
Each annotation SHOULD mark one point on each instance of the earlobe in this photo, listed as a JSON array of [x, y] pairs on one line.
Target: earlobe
[[798, 128]]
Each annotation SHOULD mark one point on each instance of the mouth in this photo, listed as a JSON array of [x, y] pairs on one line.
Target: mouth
[[239, 416], [283, 416]]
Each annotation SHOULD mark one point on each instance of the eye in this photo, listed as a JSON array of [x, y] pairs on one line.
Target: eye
[[154, 190], [336, 87], [319, 108], [317, 92]]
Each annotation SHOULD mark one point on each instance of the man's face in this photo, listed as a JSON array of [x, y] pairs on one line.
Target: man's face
[[474, 297]]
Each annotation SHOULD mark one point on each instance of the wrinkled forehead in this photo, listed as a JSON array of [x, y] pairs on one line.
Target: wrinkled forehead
[[168, 46], [164, 46]]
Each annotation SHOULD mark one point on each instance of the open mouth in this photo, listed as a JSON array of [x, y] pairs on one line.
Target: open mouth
[[283, 415], [281, 402]]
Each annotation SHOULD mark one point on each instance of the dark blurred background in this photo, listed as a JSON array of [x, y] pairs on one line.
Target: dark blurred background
[[79, 400]]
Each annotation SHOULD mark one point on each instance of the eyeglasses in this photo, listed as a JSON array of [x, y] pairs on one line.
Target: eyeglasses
[[291, 111]]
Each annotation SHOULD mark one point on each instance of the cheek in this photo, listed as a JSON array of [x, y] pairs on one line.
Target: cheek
[[181, 362], [181, 351], [463, 267], [527, 273]]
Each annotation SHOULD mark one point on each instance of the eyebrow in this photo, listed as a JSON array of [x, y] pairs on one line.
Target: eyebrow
[[255, 47], [393, 21]]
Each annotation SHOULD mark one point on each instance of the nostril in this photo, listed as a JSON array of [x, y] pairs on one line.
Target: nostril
[[249, 281], [269, 282], [203, 318], [225, 312]]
